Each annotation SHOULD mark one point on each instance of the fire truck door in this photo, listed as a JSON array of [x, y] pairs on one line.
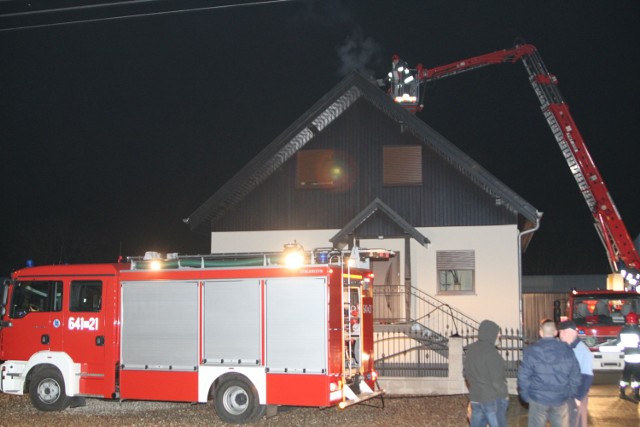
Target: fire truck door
[[35, 313], [85, 332]]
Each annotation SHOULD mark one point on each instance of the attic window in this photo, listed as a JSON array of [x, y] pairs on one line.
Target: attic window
[[401, 165], [320, 168]]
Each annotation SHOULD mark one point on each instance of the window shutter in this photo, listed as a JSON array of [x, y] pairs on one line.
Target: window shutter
[[456, 260], [402, 165]]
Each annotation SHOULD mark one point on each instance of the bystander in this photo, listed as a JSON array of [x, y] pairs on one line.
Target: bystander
[[578, 406], [484, 371], [549, 375]]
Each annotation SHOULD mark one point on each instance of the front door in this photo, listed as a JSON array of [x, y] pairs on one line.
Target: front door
[[389, 290]]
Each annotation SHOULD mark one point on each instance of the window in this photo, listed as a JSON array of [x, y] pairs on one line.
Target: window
[[36, 296], [603, 309], [401, 165], [456, 271], [86, 296], [320, 169]]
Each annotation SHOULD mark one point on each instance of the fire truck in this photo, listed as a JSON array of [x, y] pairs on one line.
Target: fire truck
[[602, 320], [599, 316], [247, 331]]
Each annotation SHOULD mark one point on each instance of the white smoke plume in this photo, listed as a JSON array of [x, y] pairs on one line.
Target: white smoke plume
[[358, 53]]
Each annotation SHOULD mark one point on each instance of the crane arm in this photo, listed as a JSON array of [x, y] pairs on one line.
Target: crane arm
[[612, 231], [498, 57]]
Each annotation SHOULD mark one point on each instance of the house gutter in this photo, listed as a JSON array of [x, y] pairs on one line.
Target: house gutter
[[520, 235]]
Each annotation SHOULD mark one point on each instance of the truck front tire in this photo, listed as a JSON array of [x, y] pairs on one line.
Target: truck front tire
[[47, 391], [236, 401]]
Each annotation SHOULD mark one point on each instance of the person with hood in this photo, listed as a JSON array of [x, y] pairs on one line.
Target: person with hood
[[484, 370], [548, 376]]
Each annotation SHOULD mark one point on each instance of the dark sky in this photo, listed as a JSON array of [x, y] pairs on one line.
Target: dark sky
[[113, 131]]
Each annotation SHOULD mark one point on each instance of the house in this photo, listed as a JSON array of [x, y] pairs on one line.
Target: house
[[357, 169]]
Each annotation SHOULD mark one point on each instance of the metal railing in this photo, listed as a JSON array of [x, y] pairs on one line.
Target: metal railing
[[510, 345], [413, 339], [407, 304], [407, 351]]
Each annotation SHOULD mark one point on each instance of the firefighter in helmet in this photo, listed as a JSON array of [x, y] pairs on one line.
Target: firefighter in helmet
[[399, 72], [629, 339]]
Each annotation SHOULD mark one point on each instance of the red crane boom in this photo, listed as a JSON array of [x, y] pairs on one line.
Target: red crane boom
[[607, 220]]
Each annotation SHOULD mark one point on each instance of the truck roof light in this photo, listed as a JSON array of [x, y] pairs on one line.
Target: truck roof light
[[293, 255]]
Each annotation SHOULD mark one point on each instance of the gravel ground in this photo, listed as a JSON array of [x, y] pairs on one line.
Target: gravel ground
[[16, 411]]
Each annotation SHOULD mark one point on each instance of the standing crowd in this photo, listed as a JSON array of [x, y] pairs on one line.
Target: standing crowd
[[554, 376]]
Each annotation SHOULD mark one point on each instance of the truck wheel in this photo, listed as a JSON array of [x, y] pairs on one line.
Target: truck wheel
[[47, 390], [236, 402]]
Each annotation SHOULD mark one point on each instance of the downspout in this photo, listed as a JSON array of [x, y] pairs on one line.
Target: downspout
[[520, 235], [407, 279]]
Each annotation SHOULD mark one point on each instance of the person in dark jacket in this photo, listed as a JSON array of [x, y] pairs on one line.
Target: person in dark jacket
[[549, 375], [484, 370]]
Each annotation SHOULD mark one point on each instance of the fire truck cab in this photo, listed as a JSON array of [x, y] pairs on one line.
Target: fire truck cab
[[599, 316], [243, 330]]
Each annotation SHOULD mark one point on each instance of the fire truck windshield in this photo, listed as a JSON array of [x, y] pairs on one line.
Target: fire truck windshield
[[604, 309]]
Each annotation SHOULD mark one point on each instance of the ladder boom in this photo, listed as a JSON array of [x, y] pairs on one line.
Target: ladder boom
[[608, 223]]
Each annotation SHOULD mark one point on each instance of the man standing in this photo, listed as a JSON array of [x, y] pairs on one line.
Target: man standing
[[549, 375], [578, 406], [629, 339], [484, 371]]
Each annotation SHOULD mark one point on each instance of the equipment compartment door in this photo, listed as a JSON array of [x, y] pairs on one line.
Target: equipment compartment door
[[232, 322], [159, 359], [297, 325]]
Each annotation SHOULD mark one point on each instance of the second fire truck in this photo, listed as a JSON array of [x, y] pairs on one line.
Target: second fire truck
[[600, 316], [244, 330]]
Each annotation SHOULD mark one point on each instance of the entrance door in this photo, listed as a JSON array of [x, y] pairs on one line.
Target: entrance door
[[389, 293]]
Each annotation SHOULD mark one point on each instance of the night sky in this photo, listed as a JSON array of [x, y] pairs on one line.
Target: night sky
[[114, 130]]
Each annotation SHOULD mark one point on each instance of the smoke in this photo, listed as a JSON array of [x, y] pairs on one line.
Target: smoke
[[358, 53], [328, 14], [355, 52]]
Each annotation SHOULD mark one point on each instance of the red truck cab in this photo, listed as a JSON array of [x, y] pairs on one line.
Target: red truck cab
[[599, 316]]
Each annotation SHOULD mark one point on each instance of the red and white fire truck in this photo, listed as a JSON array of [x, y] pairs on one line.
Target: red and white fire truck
[[244, 330], [599, 316]]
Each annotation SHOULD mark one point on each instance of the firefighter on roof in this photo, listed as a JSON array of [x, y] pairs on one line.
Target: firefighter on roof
[[399, 76], [630, 340]]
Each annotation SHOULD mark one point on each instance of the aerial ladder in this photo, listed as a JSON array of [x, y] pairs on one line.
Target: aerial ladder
[[622, 254]]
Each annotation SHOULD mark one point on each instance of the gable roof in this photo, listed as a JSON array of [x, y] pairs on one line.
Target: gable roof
[[318, 117], [377, 206]]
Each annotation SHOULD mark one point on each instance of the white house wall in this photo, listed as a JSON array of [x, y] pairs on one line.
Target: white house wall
[[269, 241], [497, 278]]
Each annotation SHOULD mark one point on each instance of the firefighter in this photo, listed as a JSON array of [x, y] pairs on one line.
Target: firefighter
[[399, 72], [629, 340]]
